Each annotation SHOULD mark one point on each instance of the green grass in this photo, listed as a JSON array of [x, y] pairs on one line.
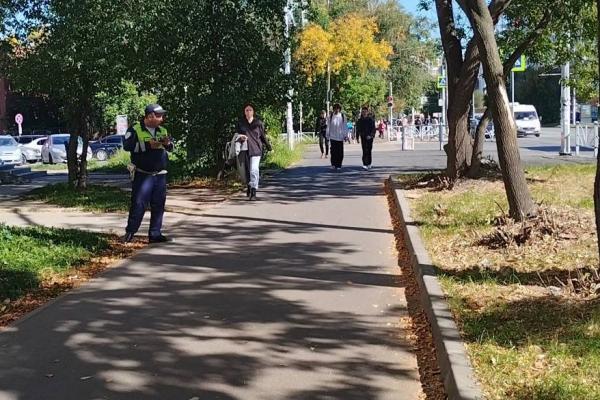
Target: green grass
[[116, 164], [96, 198], [525, 343], [282, 156], [30, 255]]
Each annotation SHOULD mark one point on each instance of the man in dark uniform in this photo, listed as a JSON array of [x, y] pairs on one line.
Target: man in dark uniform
[[148, 144], [365, 130]]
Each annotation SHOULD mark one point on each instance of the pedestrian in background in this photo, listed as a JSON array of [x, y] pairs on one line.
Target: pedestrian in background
[[321, 132], [337, 133], [251, 130], [365, 132], [148, 144]]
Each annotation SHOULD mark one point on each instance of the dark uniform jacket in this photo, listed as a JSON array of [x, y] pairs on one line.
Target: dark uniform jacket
[[255, 132], [150, 160], [365, 127], [321, 126]]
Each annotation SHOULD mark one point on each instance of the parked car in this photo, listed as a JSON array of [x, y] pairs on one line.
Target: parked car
[[31, 147], [103, 151], [107, 146], [54, 150], [10, 153]]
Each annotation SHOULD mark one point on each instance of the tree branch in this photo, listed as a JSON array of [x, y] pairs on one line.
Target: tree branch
[[532, 37], [450, 40]]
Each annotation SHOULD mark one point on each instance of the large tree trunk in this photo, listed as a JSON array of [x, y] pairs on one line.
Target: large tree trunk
[[508, 65], [462, 77], [520, 202], [72, 159], [597, 180]]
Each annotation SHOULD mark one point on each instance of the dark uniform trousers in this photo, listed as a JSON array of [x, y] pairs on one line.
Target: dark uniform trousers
[[147, 189], [367, 148]]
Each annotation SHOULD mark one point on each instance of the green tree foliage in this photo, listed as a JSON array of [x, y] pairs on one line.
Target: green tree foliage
[[206, 59], [570, 36], [126, 101], [203, 59], [412, 49], [542, 92], [71, 51]]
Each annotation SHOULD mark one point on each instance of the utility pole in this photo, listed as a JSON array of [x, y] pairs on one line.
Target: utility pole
[[565, 114], [288, 71], [328, 100]]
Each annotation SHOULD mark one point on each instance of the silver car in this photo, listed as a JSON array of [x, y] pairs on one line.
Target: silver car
[[55, 149], [10, 153], [31, 147]]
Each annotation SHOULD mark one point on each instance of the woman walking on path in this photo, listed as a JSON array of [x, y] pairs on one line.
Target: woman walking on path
[[252, 131], [365, 132], [321, 131], [336, 132]]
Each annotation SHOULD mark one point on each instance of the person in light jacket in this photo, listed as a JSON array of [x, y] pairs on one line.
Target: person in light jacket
[[251, 130], [336, 133]]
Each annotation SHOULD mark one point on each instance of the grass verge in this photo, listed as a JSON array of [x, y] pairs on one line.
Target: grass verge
[[529, 312], [37, 264], [95, 198], [282, 156]]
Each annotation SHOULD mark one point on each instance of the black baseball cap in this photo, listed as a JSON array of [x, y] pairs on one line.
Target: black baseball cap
[[154, 108]]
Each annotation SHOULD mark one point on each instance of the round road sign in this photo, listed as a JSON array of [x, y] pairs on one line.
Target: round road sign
[[19, 119]]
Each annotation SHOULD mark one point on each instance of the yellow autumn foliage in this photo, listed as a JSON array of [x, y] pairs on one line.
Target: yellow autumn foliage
[[314, 50], [349, 44]]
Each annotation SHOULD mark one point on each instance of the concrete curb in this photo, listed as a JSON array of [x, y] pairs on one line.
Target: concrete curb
[[455, 366]]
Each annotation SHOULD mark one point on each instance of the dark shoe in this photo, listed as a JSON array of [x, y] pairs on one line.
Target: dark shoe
[[253, 194], [159, 239], [248, 191], [128, 237]]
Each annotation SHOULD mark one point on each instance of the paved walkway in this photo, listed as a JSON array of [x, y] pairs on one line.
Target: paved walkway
[[292, 297]]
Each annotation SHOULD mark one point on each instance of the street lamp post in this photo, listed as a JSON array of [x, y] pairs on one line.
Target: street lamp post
[[288, 71], [565, 135]]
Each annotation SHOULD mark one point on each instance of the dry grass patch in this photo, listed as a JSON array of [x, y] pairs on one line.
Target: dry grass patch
[[525, 294]]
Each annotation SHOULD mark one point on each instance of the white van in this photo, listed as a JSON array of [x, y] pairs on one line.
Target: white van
[[527, 120]]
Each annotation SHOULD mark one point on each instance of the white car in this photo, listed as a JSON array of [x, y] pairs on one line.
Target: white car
[[55, 150], [527, 120], [10, 153], [31, 147]]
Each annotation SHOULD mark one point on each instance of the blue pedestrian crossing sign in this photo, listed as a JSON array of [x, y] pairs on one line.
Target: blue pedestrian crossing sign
[[520, 65], [442, 82]]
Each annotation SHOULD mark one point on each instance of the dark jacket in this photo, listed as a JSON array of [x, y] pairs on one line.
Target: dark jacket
[[257, 139], [365, 127], [151, 160], [321, 126]]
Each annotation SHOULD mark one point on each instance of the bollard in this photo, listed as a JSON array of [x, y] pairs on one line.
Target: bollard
[[596, 139], [403, 139], [577, 137]]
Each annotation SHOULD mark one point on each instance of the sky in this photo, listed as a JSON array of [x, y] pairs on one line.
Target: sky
[[412, 6]]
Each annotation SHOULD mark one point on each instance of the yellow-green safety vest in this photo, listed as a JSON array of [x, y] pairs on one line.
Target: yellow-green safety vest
[[144, 136]]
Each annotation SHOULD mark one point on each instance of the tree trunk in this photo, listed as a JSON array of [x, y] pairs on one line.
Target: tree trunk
[[597, 180], [459, 146], [462, 78], [85, 131], [72, 159], [478, 145], [520, 202], [508, 65]]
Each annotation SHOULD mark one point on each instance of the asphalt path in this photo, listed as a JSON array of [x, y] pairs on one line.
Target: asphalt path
[[295, 296]]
